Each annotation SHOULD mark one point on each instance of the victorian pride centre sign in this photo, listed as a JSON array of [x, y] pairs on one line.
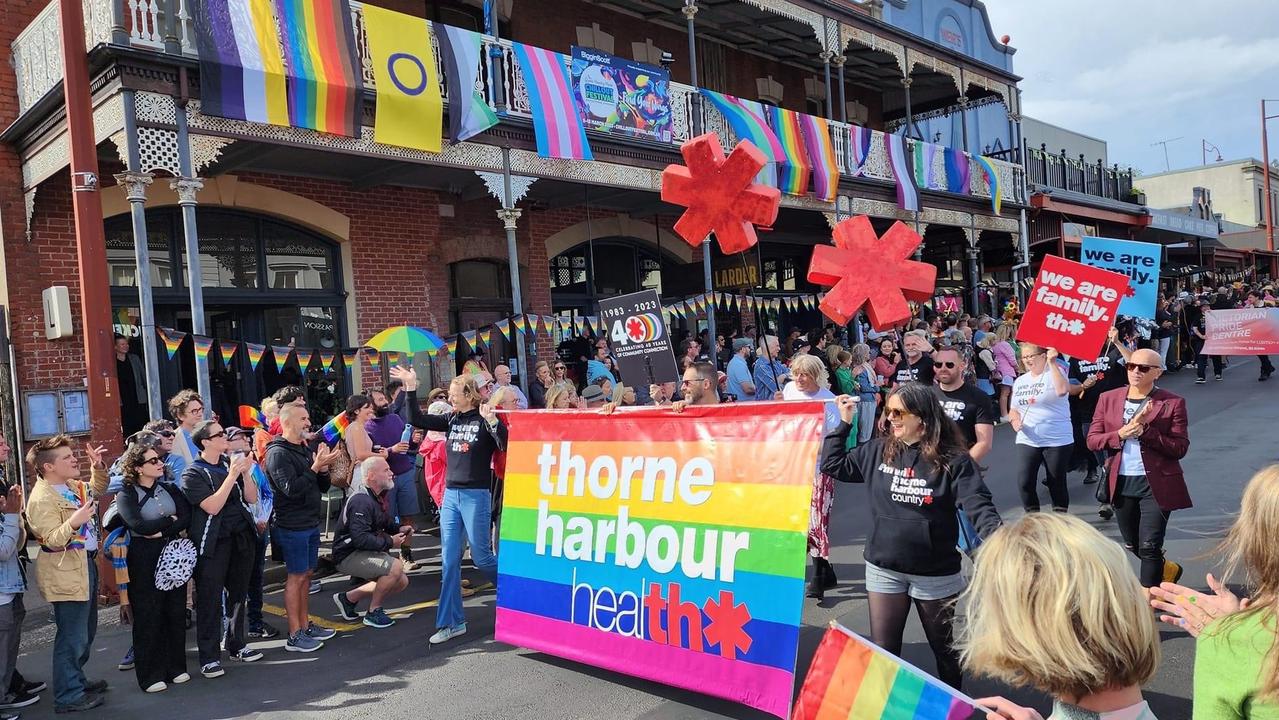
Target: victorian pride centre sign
[[668, 546]]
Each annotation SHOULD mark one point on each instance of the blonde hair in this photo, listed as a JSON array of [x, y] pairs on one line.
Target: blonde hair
[[555, 391], [1006, 331], [1054, 604], [1249, 547], [466, 384], [270, 408], [501, 396], [810, 365]]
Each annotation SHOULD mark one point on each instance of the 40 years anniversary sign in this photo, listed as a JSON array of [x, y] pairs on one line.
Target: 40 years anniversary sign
[[666, 546]]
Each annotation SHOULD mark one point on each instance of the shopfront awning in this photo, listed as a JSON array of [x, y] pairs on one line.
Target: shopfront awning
[[1185, 224]]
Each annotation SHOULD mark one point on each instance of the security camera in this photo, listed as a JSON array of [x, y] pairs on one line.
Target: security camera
[[84, 182]]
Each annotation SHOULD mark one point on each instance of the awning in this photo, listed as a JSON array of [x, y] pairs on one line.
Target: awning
[[1177, 222]]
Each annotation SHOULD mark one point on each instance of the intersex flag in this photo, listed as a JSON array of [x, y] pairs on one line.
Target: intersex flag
[[665, 546], [410, 107]]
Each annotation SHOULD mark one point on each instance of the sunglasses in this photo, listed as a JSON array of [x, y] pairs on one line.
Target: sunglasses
[[896, 414], [1141, 368], [166, 433], [948, 365], [153, 461], [218, 435], [560, 368]]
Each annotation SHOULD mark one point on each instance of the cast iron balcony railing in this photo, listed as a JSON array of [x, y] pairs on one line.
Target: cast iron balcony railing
[[1057, 170]]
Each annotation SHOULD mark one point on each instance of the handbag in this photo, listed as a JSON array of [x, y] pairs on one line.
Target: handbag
[[1103, 486], [342, 468], [176, 564]]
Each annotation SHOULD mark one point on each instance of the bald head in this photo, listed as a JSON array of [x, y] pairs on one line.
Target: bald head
[[1144, 368]]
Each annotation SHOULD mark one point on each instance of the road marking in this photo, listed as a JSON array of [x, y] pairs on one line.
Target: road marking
[[322, 622]]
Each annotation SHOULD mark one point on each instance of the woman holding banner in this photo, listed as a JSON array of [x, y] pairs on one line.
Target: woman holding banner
[[1040, 414]]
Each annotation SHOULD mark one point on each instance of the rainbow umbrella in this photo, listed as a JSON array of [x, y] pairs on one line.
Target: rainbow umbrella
[[406, 339]]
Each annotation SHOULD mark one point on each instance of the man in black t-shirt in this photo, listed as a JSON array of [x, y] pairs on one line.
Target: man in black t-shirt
[[964, 403], [917, 366], [1088, 380]]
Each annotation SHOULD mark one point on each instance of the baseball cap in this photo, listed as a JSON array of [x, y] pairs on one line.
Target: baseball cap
[[593, 393], [234, 432], [740, 343]]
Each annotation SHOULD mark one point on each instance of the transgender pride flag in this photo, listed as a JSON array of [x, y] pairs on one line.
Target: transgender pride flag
[[556, 124]]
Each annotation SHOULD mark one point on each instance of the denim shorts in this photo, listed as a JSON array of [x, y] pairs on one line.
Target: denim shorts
[[920, 587], [301, 549]]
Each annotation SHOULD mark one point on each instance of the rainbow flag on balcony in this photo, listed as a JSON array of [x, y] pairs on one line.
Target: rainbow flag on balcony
[[793, 172], [746, 117], [556, 122], [821, 154], [324, 89], [241, 69], [957, 171], [469, 114], [992, 179], [899, 158]]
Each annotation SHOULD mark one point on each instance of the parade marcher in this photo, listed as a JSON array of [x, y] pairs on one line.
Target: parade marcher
[[984, 366], [1040, 414], [387, 432], [917, 365], [770, 373], [62, 515], [964, 403], [359, 446], [1143, 428], [155, 512], [1088, 381], [811, 383], [1200, 334], [911, 555], [1053, 604], [1005, 365], [362, 546]]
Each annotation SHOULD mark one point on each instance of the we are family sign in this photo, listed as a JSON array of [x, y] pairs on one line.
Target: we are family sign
[[1138, 260], [1072, 307], [666, 546]]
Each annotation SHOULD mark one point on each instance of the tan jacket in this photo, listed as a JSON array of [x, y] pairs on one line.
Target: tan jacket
[[61, 576]]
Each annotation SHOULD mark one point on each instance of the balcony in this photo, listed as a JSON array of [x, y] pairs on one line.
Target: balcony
[[145, 24], [1056, 170]]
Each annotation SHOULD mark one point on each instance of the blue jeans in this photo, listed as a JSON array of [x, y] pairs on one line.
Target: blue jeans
[[404, 502], [77, 624], [463, 511]]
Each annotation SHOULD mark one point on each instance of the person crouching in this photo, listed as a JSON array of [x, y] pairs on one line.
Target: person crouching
[[366, 535]]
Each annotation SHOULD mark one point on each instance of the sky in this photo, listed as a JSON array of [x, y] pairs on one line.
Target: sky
[[1134, 72]]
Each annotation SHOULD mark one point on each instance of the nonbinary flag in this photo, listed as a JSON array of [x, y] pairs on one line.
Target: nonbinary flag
[[410, 107], [556, 122], [241, 68], [469, 114], [900, 160]]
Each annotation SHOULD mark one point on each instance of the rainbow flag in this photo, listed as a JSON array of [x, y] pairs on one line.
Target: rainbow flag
[[241, 69], [746, 117], [335, 429], [469, 113], [325, 85], [792, 174], [556, 123], [326, 359], [172, 339], [227, 348], [349, 359], [821, 154], [281, 355], [725, 624], [202, 347], [251, 417], [852, 679], [372, 356], [255, 354], [992, 179]]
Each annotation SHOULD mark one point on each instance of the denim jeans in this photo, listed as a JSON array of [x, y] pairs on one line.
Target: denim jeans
[[77, 624], [1143, 524], [463, 512], [255, 583]]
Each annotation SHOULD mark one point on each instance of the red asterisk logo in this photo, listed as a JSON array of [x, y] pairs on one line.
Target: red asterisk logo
[[635, 329], [1130, 291], [727, 623], [864, 268], [720, 194], [928, 499]]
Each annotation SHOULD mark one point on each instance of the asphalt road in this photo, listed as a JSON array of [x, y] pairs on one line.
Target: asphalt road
[[390, 674]]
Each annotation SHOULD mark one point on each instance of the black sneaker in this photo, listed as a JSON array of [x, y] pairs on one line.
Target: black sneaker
[[1217, 378], [1106, 512], [1200, 381], [96, 686], [19, 701], [212, 670], [264, 632], [10, 716], [32, 687], [247, 655], [88, 701], [346, 608]]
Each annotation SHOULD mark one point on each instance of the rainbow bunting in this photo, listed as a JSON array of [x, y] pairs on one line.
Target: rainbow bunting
[[255, 352], [172, 340], [281, 355], [992, 179], [469, 337], [534, 323], [504, 327], [335, 429], [392, 358], [859, 145], [227, 348], [203, 345], [251, 417], [315, 355], [792, 174], [520, 322], [451, 345], [486, 337], [325, 87], [326, 359], [581, 325], [241, 69], [349, 358], [372, 356], [821, 155], [556, 122], [851, 678], [957, 171]]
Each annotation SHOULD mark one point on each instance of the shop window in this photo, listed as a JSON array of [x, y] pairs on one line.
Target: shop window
[[603, 268], [296, 260], [487, 279], [568, 269], [779, 274], [122, 266]]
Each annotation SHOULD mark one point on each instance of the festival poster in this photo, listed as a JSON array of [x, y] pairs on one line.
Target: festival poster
[[1072, 307], [666, 546], [1250, 331], [638, 338], [620, 96], [1138, 260]]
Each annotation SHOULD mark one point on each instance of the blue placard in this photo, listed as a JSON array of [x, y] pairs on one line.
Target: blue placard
[[1138, 260]]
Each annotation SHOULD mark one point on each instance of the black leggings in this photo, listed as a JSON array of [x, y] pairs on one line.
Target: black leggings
[[1057, 461], [888, 613], [1143, 525]]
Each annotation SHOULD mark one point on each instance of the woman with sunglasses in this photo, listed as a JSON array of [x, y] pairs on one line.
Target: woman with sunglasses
[[1040, 414], [155, 511], [916, 476]]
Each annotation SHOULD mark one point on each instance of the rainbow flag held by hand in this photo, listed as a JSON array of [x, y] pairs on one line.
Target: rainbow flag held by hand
[[556, 122], [256, 352], [852, 679], [324, 74], [251, 417], [335, 429], [172, 340]]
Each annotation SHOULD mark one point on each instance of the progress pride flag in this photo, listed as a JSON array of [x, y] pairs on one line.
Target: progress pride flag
[[1252, 331], [1072, 307]]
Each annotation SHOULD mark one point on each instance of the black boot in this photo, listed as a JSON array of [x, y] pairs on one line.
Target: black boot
[[815, 585], [829, 580]]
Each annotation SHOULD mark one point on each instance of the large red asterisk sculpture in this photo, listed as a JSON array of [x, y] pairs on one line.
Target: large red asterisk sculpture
[[863, 268], [720, 193]]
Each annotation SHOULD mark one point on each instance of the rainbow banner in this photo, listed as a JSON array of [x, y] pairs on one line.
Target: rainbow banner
[[227, 348], [556, 124], [256, 352], [349, 359], [792, 174], [821, 154], [668, 547], [251, 417], [281, 355], [746, 117], [326, 359], [241, 69], [324, 82], [851, 679], [172, 340], [203, 346], [372, 355]]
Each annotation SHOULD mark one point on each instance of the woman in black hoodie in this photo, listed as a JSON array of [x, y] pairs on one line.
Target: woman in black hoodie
[[917, 477]]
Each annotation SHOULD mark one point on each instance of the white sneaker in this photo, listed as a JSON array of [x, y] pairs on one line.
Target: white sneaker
[[184, 677], [443, 635], [157, 687]]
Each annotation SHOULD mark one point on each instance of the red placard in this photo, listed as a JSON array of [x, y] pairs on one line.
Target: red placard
[[1072, 307]]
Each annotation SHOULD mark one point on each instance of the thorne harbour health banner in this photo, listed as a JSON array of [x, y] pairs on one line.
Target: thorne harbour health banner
[[620, 96], [666, 546]]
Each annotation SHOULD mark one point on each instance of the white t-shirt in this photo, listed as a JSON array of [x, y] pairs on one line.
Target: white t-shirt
[[1130, 462], [832, 419], [1045, 415]]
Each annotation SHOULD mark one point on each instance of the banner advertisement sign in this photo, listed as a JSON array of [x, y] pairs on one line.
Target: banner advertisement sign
[[637, 333], [666, 546], [1138, 260], [1251, 331], [1072, 307], [620, 96]]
